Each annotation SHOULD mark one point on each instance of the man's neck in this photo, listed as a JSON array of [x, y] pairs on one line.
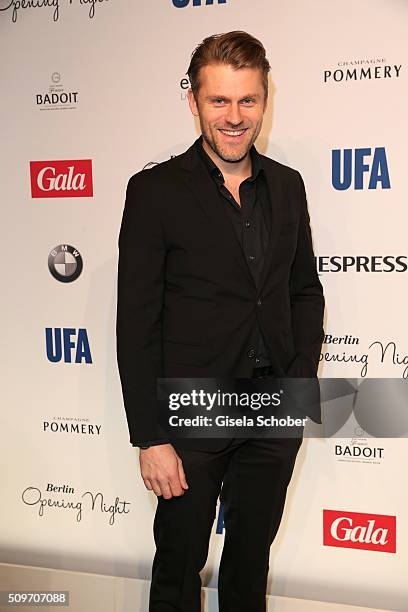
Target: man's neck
[[238, 170]]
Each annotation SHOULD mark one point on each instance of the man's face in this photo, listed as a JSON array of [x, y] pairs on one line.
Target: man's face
[[230, 105]]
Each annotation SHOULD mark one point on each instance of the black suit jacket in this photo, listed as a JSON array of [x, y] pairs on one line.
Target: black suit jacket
[[187, 303]]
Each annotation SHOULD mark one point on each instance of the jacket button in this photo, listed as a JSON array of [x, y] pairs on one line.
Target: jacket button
[[259, 302], [257, 360], [251, 353]]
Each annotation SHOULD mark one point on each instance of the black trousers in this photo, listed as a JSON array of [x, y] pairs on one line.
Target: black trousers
[[251, 476]]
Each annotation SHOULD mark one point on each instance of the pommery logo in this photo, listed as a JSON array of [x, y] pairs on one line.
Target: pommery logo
[[370, 69], [15, 7], [80, 426]]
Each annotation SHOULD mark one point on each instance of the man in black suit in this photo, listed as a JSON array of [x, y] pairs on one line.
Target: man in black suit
[[217, 278]]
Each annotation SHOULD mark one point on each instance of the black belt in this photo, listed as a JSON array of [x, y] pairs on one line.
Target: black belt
[[262, 372]]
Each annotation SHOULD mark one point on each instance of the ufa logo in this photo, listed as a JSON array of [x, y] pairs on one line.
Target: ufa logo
[[67, 344], [61, 179], [361, 162], [184, 3], [357, 530]]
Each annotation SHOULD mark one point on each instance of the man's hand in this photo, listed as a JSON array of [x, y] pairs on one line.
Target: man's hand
[[162, 470]]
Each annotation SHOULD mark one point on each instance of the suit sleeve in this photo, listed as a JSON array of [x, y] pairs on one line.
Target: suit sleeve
[[142, 255], [306, 299], [150, 442]]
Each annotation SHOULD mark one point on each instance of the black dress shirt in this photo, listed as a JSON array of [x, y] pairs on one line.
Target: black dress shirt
[[251, 220]]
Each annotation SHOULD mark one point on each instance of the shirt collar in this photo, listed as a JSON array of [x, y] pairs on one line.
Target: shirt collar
[[257, 166]]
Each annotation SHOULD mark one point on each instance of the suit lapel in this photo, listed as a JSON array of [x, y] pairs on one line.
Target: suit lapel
[[205, 194], [276, 199]]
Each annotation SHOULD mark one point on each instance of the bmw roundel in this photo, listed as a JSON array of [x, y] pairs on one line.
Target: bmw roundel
[[65, 263]]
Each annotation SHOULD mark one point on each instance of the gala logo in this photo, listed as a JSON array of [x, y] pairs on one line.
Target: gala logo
[[61, 179], [358, 530]]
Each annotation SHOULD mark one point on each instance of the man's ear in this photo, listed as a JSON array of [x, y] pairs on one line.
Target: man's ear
[[192, 102], [265, 103]]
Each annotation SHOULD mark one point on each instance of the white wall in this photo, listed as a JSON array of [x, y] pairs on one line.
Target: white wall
[[125, 65]]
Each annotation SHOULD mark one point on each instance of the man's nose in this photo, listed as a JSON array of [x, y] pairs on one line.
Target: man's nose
[[233, 115]]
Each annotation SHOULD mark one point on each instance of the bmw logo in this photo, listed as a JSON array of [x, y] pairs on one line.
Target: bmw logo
[[65, 263]]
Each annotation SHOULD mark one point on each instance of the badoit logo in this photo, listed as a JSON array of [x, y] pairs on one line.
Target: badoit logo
[[68, 178], [357, 530]]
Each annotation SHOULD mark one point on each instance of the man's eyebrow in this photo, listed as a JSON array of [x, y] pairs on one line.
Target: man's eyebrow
[[216, 97], [221, 97]]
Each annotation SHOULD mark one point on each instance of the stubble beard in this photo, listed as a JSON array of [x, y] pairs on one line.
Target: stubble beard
[[230, 157]]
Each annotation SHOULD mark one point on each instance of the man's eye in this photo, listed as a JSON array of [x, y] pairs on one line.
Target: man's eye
[[248, 100], [218, 100]]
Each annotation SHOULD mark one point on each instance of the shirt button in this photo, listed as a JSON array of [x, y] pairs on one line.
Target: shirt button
[[257, 360], [251, 257], [251, 353], [247, 224], [258, 302]]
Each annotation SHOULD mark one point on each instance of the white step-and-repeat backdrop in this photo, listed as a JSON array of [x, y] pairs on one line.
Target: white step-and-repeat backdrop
[[94, 91]]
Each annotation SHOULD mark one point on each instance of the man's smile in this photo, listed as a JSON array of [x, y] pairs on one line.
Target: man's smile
[[233, 133]]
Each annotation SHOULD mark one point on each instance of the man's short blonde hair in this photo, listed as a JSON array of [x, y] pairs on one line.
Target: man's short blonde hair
[[237, 49]]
